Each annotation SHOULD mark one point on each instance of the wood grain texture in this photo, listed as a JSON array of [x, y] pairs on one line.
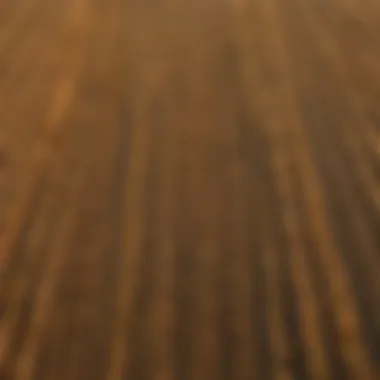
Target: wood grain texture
[[190, 190]]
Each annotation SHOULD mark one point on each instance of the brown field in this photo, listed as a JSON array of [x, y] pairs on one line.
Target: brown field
[[189, 189]]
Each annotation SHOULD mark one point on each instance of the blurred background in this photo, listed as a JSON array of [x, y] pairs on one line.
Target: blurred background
[[189, 190]]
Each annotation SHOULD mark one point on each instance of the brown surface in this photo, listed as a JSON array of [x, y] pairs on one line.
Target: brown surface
[[189, 189]]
